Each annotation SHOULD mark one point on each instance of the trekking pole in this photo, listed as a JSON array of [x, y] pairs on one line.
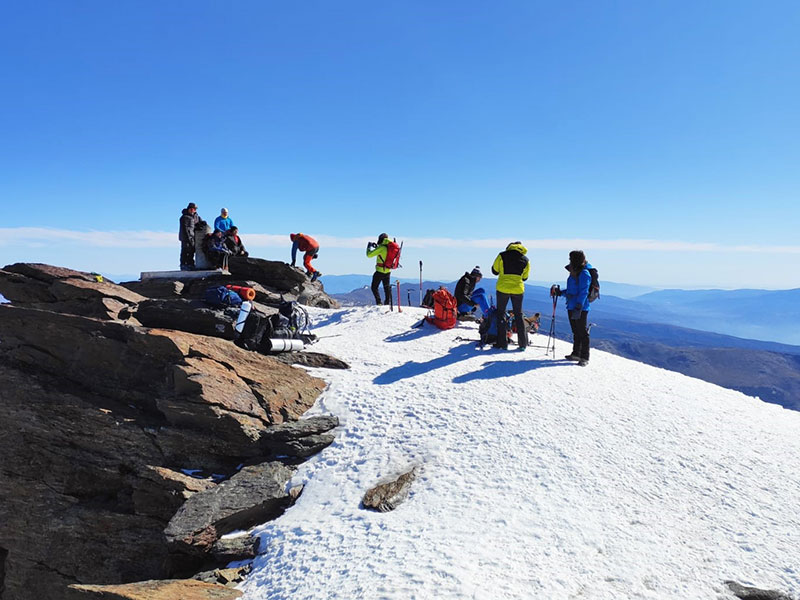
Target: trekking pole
[[420, 284], [408, 297], [399, 304], [551, 337]]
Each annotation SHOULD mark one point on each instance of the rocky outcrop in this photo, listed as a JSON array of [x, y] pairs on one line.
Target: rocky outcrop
[[389, 494], [104, 426], [752, 593], [287, 280], [190, 589], [312, 359]]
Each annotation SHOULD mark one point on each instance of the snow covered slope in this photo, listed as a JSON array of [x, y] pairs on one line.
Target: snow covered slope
[[540, 479]]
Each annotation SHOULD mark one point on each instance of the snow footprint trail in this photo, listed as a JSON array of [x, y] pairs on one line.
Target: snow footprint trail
[[539, 478]]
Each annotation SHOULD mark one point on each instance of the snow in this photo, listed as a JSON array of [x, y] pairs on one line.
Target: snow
[[540, 479]]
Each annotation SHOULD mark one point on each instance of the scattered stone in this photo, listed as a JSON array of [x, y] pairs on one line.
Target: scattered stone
[[227, 577], [170, 589], [752, 593], [241, 547], [311, 359], [389, 494]]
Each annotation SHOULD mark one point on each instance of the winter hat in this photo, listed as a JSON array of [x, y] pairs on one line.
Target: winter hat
[[292, 236], [476, 272], [382, 237], [192, 205]]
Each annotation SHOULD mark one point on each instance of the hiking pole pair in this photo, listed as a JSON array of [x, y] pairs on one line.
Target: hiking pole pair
[[555, 292]]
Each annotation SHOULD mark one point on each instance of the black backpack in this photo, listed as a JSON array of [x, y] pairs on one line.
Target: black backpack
[[257, 327], [594, 286]]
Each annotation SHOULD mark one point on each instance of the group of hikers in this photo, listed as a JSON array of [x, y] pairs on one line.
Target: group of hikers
[[511, 267]]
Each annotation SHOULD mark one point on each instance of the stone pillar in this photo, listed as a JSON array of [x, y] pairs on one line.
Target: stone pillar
[[200, 259]]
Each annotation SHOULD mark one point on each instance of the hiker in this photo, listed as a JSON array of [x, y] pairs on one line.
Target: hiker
[[188, 221], [234, 242], [512, 268], [382, 273], [305, 243], [577, 295], [223, 222], [464, 289], [216, 250]]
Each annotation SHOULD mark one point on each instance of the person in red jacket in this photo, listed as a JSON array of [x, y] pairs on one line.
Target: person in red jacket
[[305, 243]]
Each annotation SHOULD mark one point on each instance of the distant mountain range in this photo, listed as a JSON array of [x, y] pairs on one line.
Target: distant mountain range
[[668, 329]]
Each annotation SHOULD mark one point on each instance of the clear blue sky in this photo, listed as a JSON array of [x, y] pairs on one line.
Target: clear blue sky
[[593, 123]]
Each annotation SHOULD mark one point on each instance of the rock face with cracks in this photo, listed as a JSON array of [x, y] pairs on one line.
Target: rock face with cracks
[[108, 428]]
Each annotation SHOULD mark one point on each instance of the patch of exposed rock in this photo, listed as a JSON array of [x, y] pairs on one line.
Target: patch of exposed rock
[[389, 494], [752, 593], [183, 589], [101, 424]]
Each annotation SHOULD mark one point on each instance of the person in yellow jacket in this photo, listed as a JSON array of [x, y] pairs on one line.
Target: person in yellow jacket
[[382, 274], [512, 268]]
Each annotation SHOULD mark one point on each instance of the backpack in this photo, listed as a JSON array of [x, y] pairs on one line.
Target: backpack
[[257, 327], [488, 327], [427, 300], [292, 322], [220, 296], [392, 260], [444, 309], [594, 286]]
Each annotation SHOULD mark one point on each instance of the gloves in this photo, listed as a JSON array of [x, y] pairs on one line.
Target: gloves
[[555, 290], [371, 245]]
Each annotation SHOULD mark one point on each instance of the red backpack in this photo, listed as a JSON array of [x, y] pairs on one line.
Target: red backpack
[[444, 309], [392, 260]]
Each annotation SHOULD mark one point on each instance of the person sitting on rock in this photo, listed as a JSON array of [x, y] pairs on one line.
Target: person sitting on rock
[[305, 243], [234, 242], [223, 222], [216, 250], [464, 289]]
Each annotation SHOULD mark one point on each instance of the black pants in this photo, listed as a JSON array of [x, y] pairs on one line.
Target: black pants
[[516, 305], [187, 254], [377, 279], [580, 336]]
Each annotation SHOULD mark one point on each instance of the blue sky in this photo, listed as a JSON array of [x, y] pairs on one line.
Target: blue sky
[[661, 137]]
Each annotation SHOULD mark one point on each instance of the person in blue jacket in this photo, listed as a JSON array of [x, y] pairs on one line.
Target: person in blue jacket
[[223, 222], [577, 296]]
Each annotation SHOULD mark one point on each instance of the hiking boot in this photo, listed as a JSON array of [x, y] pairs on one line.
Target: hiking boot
[[316, 276], [583, 362], [572, 357], [521, 349], [496, 347]]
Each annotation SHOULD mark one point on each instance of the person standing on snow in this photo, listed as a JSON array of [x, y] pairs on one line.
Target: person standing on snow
[[577, 295], [464, 289], [305, 243], [223, 222], [382, 273], [187, 223], [512, 268]]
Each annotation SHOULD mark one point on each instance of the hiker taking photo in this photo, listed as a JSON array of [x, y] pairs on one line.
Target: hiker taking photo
[[464, 289], [512, 268], [577, 295], [383, 272]]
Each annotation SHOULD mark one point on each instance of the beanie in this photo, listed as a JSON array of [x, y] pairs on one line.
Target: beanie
[[476, 272]]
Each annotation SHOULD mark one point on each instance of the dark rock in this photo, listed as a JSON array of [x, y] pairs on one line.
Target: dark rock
[[63, 290], [156, 288], [174, 589], [254, 495], [283, 278], [311, 359], [227, 577], [389, 494], [752, 593], [241, 547], [192, 316]]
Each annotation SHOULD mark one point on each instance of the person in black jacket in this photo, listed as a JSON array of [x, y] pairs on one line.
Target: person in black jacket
[[188, 221], [464, 289], [234, 242]]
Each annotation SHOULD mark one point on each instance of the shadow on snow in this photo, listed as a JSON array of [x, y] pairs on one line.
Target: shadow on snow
[[494, 369], [412, 369]]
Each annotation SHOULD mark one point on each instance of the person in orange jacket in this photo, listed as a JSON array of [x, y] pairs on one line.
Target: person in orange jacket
[[305, 243]]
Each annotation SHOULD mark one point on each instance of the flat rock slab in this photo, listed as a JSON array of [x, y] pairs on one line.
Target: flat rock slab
[[311, 359], [254, 495], [170, 589], [752, 593]]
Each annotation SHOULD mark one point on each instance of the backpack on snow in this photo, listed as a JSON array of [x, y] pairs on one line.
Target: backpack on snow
[[427, 301], [444, 310], [392, 260], [220, 296], [594, 286], [488, 327]]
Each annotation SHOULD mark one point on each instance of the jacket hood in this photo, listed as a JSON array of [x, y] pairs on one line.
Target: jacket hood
[[185, 211], [518, 247]]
